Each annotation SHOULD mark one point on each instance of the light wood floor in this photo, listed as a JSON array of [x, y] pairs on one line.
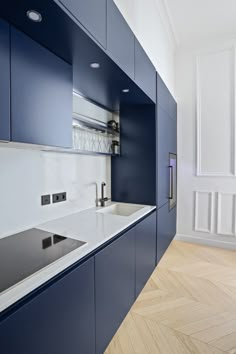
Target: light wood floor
[[188, 305]]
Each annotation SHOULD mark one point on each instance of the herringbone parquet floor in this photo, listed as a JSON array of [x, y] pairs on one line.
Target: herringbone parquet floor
[[187, 306]]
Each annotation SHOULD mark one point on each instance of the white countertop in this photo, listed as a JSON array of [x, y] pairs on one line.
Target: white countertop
[[91, 226]]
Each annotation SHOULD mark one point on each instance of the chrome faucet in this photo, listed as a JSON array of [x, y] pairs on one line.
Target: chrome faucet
[[103, 199]]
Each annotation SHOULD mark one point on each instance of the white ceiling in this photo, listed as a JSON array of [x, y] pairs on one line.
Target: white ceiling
[[197, 20]]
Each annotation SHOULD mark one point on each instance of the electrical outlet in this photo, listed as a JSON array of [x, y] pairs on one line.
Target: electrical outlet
[[45, 199], [59, 197]]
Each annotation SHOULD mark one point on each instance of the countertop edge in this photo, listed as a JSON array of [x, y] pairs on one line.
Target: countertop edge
[[15, 295]]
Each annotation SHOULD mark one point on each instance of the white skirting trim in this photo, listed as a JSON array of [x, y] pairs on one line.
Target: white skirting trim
[[206, 241]]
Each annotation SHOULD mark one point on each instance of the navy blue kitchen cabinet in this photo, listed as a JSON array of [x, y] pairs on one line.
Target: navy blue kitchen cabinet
[[166, 229], [57, 321], [166, 111], [4, 81], [172, 107], [166, 139], [163, 150], [145, 72], [91, 14], [145, 250], [41, 94], [115, 287], [120, 39], [163, 95]]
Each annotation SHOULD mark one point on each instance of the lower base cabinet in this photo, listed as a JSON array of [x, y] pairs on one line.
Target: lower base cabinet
[[59, 320], [115, 287], [145, 250], [166, 229], [81, 311], [121, 271]]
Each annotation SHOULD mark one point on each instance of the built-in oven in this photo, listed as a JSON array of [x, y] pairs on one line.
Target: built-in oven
[[172, 180]]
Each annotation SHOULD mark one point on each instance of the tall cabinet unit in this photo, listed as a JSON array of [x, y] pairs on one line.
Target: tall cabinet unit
[[166, 125]]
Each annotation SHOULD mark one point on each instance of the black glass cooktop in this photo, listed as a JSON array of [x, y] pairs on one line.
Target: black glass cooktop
[[27, 252]]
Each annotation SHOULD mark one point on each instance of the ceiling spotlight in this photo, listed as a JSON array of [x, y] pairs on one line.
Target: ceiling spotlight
[[125, 90], [95, 65], [34, 15]]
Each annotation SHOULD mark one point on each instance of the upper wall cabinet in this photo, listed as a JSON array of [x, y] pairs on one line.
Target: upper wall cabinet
[[91, 14], [120, 39], [145, 72], [41, 94], [4, 82]]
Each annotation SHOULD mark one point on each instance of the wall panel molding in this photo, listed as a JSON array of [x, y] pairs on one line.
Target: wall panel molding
[[226, 214], [208, 125], [206, 210]]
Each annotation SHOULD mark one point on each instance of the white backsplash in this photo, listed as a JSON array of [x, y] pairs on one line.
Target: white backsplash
[[25, 175]]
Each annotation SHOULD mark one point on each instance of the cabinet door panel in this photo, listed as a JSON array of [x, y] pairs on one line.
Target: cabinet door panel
[[115, 287], [166, 229], [172, 107], [145, 250], [162, 94], [91, 14], [120, 39], [163, 150], [166, 145], [4, 81], [41, 94], [145, 73], [59, 320]]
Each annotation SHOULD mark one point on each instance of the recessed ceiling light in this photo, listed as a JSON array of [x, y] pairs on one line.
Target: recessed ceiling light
[[125, 90], [95, 65], [34, 15]]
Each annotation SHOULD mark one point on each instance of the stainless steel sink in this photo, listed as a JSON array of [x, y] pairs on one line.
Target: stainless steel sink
[[120, 209]]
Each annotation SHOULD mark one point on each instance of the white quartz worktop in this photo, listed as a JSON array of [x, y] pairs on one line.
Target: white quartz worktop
[[91, 226]]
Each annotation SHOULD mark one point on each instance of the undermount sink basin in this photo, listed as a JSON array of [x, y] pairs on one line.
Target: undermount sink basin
[[120, 209]]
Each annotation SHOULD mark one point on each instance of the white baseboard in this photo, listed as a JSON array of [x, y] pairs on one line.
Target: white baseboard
[[206, 241]]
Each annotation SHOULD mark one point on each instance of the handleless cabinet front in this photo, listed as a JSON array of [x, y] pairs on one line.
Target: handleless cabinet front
[[166, 229], [166, 110], [59, 320], [120, 39], [163, 150], [41, 94], [91, 14], [4, 81], [115, 287], [145, 250], [145, 72]]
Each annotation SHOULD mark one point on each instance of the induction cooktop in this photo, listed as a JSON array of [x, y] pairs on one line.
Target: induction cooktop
[[27, 252]]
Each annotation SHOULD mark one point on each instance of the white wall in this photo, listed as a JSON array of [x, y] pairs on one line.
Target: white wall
[[149, 21], [28, 174], [205, 89]]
